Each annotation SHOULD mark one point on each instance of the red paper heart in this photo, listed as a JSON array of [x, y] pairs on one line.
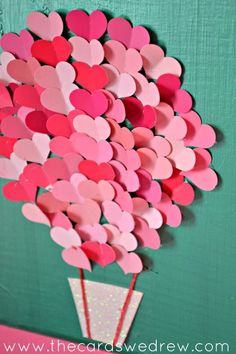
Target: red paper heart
[[27, 96], [91, 78], [94, 104], [102, 254], [22, 191], [6, 146], [36, 121], [6, 100], [51, 53], [59, 125], [139, 115], [96, 172], [38, 176]]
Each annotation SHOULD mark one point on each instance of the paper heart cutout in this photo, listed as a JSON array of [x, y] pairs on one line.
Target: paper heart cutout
[[6, 100], [85, 213], [35, 150], [6, 146], [129, 158], [171, 213], [65, 238], [67, 191], [181, 157], [122, 197], [36, 121], [124, 239], [102, 254], [156, 64], [198, 134], [116, 108], [58, 100], [27, 96], [90, 149], [86, 26], [173, 127], [59, 125], [147, 237], [61, 146], [22, 71], [122, 219], [129, 61], [151, 215], [49, 204], [158, 167], [51, 52], [76, 258], [18, 45], [45, 27], [121, 85], [180, 192], [121, 135], [96, 172], [33, 213], [149, 189], [95, 233], [13, 127], [49, 77], [5, 59], [91, 53], [94, 104], [122, 31], [20, 191], [99, 192], [97, 128], [146, 92], [91, 78], [201, 175], [12, 168], [61, 220], [127, 178], [37, 175], [129, 262], [139, 115]]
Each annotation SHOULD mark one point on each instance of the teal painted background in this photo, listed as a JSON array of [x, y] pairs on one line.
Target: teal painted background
[[190, 294]]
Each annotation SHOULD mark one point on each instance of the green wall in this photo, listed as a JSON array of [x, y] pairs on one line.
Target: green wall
[[190, 294]]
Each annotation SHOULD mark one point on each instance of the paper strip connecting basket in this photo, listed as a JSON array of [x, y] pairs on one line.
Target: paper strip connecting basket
[[105, 302]]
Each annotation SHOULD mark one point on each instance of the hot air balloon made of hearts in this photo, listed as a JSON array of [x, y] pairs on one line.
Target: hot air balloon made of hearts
[[101, 144]]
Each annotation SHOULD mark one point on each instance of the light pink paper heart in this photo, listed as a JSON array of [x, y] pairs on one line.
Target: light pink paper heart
[[33, 213], [116, 109], [35, 150], [129, 158], [45, 27], [5, 59], [57, 100], [121, 85], [12, 168], [158, 167], [152, 216], [68, 191], [96, 233], [91, 53], [76, 258], [124, 239], [156, 64], [129, 262], [121, 135], [125, 60], [182, 158], [97, 128], [49, 77], [127, 178], [84, 213], [122, 219], [90, 149], [97, 191], [122, 198], [146, 92], [65, 238], [148, 237], [173, 127], [171, 213]]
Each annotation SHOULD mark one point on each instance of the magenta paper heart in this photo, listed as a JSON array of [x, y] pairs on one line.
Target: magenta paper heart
[[95, 104], [18, 45]]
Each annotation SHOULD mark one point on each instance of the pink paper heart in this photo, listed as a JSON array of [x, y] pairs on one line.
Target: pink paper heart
[[35, 150], [156, 64], [90, 149], [19, 45], [129, 262], [68, 191], [149, 189], [91, 53], [96, 233], [37, 175], [58, 100], [129, 61], [94, 104], [13, 127], [181, 157], [146, 92], [97, 191], [127, 178], [60, 219], [148, 237], [151, 215], [65, 238], [121, 85], [158, 167], [5, 59], [49, 204], [116, 108], [124, 239], [12, 168], [97, 128], [86, 26], [122, 31], [20, 191], [76, 258], [171, 213], [121, 135], [84, 213], [122, 219], [122, 197], [198, 134], [129, 158], [45, 27], [22, 71], [33, 213], [49, 77]]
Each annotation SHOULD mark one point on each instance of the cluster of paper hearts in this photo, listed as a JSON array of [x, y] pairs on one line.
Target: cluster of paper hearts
[[97, 136]]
